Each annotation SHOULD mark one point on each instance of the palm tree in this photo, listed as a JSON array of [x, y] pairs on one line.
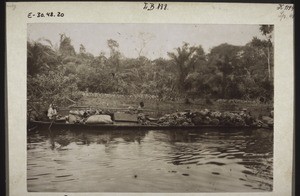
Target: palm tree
[[186, 58]]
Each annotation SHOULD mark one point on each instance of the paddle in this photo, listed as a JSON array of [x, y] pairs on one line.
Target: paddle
[[51, 124]]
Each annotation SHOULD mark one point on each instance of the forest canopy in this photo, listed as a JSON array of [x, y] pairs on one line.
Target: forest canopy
[[59, 74]]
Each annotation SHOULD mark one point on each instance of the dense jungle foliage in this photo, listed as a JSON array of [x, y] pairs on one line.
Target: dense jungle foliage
[[58, 74]]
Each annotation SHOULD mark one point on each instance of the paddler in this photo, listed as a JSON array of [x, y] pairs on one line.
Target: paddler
[[52, 112]]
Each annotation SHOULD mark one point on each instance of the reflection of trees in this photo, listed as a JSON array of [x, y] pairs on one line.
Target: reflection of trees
[[86, 137], [180, 136], [83, 139], [189, 136], [173, 136], [62, 139], [133, 136]]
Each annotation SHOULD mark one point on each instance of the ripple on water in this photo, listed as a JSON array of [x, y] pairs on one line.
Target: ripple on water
[[247, 172], [215, 163], [251, 163], [43, 174], [63, 176], [61, 161], [32, 178]]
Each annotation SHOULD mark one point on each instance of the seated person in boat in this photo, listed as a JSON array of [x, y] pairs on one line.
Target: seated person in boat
[[141, 105], [52, 112]]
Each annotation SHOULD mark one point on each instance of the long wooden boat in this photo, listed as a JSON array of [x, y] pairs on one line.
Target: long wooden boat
[[133, 126]]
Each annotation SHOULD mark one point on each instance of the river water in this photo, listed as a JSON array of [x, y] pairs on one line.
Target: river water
[[209, 160]]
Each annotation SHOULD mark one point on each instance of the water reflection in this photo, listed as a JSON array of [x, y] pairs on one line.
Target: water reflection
[[59, 139], [150, 161]]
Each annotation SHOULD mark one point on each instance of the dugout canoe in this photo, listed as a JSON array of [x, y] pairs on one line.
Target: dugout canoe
[[133, 126]]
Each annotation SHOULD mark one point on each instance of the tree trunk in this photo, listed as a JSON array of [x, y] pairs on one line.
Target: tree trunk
[[181, 78], [181, 83], [224, 84]]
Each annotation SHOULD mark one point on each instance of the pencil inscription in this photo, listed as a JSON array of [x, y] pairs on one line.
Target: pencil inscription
[[45, 14], [153, 6], [286, 11]]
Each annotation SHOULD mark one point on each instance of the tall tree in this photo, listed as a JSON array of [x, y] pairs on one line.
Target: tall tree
[[186, 59], [267, 31], [225, 59], [65, 47], [266, 46], [115, 55]]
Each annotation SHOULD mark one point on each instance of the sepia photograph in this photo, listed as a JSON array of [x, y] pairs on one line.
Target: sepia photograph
[[156, 98], [157, 108]]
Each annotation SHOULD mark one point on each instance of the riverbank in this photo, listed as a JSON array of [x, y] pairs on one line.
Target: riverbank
[[152, 103], [177, 112]]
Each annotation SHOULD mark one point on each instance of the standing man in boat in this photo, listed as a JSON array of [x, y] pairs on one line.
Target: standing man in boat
[[52, 113]]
